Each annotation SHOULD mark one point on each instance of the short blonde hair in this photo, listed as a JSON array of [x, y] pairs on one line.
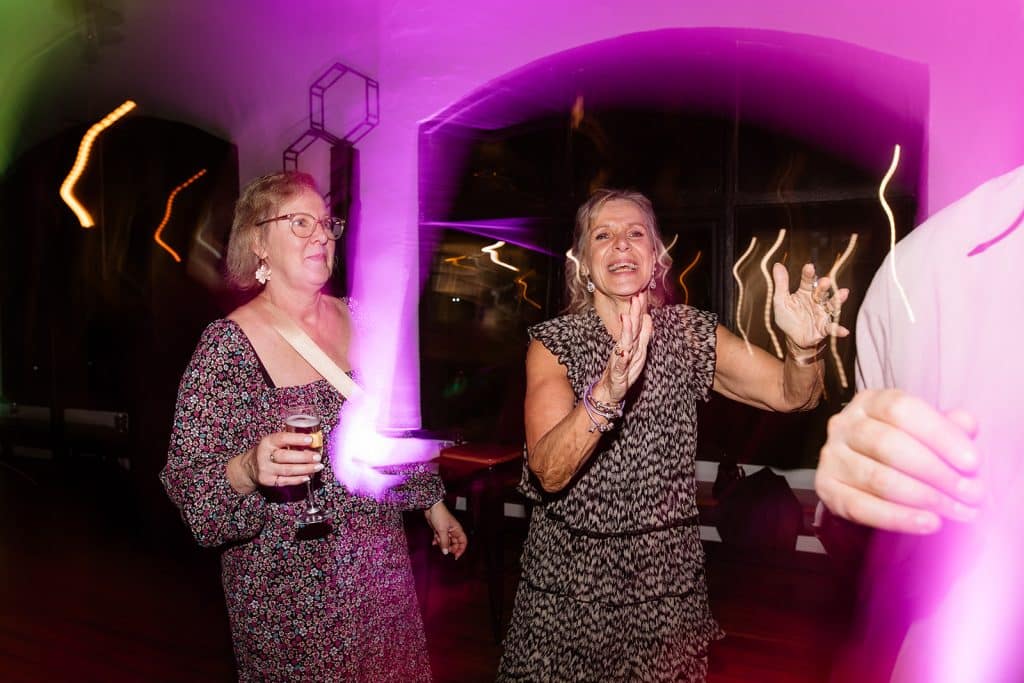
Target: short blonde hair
[[259, 200], [579, 299]]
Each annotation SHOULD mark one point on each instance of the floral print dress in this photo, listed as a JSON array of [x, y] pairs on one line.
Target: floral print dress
[[327, 603]]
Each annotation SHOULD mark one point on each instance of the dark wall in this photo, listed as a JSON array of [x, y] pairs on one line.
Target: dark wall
[[104, 318]]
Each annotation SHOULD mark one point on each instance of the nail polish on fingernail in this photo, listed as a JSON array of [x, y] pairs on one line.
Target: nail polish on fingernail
[[308, 478], [316, 457], [444, 551], [318, 468]]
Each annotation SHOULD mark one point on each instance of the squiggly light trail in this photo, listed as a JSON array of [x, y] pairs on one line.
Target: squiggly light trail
[[770, 292], [832, 276], [575, 262], [167, 214], [665, 250], [84, 149], [892, 228], [682, 276], [454, 260], [521, 281], [739, 298], [492, 250]]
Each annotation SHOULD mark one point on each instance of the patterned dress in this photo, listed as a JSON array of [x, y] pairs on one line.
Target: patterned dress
[[613, 569], [324, 604]]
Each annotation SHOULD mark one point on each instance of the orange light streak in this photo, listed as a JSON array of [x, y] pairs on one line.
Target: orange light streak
[[84, 149], [454, 260], [521, 281], [682, 276], [770, 292], [167, 214]]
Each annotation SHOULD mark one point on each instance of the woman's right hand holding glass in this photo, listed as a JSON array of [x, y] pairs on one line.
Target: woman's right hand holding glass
[[282, 459]]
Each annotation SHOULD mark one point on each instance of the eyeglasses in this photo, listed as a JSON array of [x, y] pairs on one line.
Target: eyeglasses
[[303, 224]]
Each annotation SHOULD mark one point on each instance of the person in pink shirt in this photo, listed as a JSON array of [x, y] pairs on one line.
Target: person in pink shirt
[[928, 451]]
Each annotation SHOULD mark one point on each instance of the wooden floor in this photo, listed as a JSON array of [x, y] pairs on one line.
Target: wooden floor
[[88, 592]]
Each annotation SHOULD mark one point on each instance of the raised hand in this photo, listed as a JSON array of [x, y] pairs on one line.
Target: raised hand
[[629, 354], [893, 462], [811, 313]]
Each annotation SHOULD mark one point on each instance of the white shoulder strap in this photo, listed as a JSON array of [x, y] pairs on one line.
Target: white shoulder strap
[[308, 349]]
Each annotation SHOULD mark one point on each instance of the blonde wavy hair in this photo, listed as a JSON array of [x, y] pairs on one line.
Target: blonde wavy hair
[[579, 299], [259, 201]]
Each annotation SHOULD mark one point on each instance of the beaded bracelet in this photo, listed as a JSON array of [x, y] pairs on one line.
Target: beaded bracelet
[[609, 411], [596, 426]]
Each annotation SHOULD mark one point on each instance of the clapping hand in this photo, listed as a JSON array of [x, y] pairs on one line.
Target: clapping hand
[[630, 352]]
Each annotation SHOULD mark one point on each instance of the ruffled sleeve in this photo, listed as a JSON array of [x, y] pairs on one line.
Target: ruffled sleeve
[[561, 337], [700, 341], [218, 395], [552, 334]]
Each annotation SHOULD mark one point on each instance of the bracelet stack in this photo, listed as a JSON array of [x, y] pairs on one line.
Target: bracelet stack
[[804, 357], [609, 411]]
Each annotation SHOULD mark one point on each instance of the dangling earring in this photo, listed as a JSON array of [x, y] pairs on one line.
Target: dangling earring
[[654, 283], [263, 273], [590, 285]]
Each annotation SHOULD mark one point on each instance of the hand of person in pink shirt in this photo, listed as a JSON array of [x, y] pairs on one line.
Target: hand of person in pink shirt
[[893, 462]]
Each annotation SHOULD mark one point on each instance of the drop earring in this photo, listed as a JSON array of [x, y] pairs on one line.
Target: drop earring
[[654, 283], [590, 285], [263, 273]]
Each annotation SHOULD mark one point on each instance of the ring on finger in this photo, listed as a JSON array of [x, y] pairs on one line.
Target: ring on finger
[[272, 453], [619, 351]]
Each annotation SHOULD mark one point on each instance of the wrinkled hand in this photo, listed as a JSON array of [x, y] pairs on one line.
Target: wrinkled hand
[[629, 354], [811, 313], [448, 533], [283, 459], [893, 462]]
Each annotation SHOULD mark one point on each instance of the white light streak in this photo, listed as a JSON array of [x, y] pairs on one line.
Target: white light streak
[[770, 291], [833, 276], [739, 298], [892, 229], [492, 251]]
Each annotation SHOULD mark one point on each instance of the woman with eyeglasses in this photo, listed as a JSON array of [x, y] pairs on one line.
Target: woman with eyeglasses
[[327, 602]]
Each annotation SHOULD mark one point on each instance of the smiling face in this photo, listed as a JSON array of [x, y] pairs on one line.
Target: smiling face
[[620, 250], [301, 262]]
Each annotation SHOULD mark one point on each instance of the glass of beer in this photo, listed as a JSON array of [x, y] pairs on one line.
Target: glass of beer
[[304, 419]]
